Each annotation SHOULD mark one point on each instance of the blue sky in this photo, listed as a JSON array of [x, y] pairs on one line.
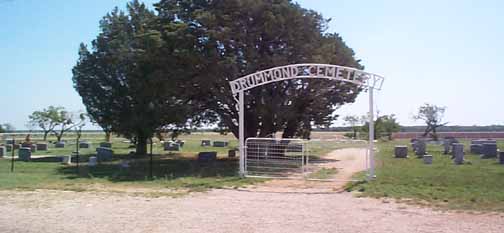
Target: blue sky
[[446, 53]]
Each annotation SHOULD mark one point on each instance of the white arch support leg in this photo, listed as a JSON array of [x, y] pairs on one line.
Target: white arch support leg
[[241, 126], [371, 136]]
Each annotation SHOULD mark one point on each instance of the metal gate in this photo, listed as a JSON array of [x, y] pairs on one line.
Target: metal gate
[[275, 158]]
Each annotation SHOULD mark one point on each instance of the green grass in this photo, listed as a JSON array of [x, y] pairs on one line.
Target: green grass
[[476, 185], [174, 171]]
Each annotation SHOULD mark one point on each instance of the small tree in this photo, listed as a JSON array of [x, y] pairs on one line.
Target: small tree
[[432, 115], [47, 119], [355, 122], [387, 124], [68, 121]]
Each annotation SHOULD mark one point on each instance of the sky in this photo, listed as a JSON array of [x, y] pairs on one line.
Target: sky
[[446, 53]]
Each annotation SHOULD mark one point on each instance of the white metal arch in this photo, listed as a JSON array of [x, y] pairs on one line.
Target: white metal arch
[[306, 71]]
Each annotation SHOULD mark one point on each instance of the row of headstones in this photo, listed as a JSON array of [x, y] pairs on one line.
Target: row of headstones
[[212, 156], [206, 143], [25, 153], [487, 148], [457, 153]]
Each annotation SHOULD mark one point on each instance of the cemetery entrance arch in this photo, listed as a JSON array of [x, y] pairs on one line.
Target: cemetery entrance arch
[[358, 77]]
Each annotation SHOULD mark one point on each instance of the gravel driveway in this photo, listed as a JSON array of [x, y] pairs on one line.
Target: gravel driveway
[[261, 209]]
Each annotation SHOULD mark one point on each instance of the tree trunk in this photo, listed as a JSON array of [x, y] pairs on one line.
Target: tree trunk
[[45, 135], [141, 145], [290, 129], [58, 137], [107, 136]]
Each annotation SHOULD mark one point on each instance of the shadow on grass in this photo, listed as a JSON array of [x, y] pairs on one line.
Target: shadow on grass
[[164, 167]]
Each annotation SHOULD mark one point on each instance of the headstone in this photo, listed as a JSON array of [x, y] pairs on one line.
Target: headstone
[[66, 159], [25, 144], [8, 148], [489, 150], [3, 151], [84, 145], [42, 146], [413, 144], [24, 154], [59, 145], [447, 147], [171, 146], [501, 157], [106, 144], [458, 153], [9, 141], [180, 142], [232, 153], [125, 163], [207, 156], [476, 149], [206, 142], [420, 148], [401, 152], [92, 161], [104, 154], [33, 147], [427, 159], [220, 144]]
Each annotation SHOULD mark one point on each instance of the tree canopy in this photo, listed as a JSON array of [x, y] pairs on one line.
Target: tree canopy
[[125, 83], [147, 72], [232, 38]]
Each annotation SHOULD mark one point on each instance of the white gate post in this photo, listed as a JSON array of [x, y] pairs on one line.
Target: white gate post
[[371, 135], [241, 125]]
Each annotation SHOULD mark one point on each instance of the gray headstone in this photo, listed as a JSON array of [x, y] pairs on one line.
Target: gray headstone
[[33, 147], [92, 161], [42, 146], [447, 145], [476, 149], [171, 146], [489, 150], [106, 144], [9, 141], [401, 152], [458, 153], [8, 148], [84, 145], [207, 156], [206, 142], [420, 148], [24, 154], [180, 142], [3, 151], [427, 159], [501, 157], [59, 145], [483, 141], [104, 154], [232, 153], [220, 144]]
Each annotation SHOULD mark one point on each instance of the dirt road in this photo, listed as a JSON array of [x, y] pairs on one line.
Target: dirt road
[[248, 210]]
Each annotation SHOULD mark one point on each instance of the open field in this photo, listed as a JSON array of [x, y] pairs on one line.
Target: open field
[[476, 185]]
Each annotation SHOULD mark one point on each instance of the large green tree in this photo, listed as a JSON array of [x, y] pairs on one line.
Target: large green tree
[[120, 78], [227, 39]]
